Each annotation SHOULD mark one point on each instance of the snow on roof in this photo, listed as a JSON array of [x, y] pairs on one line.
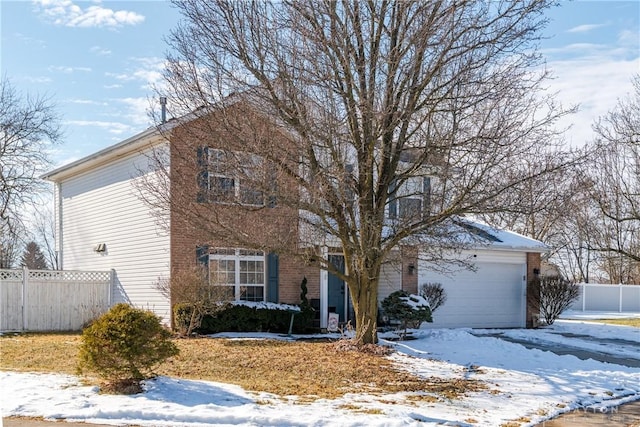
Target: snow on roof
[[504, 239]]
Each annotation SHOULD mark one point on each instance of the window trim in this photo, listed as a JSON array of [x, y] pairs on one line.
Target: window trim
[[407, 191], [240, 191], [238, 255]]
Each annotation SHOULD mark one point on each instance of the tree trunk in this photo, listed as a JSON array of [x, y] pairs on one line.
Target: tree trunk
[[365, 304]]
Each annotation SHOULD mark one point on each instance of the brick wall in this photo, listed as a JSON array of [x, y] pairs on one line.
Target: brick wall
[[533, 268], [196, 222], [410, 275]]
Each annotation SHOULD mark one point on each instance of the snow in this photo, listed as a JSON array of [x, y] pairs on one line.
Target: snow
[[267, 305], [520, 382], [416, 302]]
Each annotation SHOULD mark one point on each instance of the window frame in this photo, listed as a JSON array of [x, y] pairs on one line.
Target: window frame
[[414, 192], [242, 193], [239, 256]]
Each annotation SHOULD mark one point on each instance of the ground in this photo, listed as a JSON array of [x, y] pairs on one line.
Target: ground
[[524, 386]]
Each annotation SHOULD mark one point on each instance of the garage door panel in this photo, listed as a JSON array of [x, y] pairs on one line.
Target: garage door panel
[[491, 296]]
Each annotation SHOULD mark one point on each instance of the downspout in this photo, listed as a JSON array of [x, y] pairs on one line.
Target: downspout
[[58, 230]]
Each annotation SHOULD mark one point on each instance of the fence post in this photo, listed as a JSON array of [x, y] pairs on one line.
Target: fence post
[[112, 286], [620, 298], [25, 280]]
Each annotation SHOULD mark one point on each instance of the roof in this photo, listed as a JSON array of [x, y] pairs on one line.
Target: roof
[[136, 143], [474, 233], [503, 239]]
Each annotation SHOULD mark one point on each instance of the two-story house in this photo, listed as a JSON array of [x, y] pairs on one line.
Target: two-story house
[[124, 208]]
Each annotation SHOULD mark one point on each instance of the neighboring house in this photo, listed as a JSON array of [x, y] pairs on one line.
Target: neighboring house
[[103, 223]]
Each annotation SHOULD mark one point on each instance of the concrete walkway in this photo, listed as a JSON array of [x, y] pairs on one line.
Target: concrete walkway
[[627, 415]]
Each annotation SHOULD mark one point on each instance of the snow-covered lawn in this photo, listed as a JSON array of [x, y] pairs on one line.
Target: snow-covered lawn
[[523, 385]]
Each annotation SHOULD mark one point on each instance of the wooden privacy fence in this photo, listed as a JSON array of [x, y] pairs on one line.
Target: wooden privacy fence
[[52, 300], [620, 298]]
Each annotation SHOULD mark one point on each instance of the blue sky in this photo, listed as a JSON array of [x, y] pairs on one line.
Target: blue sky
[[96, 60]]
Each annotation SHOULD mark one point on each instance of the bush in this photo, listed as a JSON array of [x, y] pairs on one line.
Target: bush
[[435, 295], [409, 310], [247, 317], [192, 287], [123, 346], [552, 295], [258, 317]]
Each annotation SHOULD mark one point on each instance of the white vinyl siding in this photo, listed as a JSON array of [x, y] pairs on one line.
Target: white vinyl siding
[[103, 206], [492, 296], [390, 279]]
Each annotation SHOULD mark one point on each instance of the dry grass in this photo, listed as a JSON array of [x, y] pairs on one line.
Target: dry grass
[[309, 369], [632, 321]]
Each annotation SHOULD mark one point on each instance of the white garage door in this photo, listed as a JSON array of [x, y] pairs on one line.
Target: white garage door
[[493, 296]]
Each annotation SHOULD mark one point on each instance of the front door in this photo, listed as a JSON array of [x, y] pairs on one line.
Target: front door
[[337, 292]]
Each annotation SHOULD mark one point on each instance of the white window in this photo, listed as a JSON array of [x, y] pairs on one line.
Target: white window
[[228, 177], [411, 200], [241, 271]]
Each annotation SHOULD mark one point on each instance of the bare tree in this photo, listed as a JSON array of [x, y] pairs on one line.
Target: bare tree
[[11, 241], [43, 227], [370, 125], [27, 125], [615, 187]]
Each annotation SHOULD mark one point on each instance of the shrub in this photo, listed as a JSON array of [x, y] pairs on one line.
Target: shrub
[[435, 295], [192, 287], [304, 320], [409, 310], [553, 295], [123, 346], [249, 317]]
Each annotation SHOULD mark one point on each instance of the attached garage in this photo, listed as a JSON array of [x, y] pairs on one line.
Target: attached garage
[[492, 295]]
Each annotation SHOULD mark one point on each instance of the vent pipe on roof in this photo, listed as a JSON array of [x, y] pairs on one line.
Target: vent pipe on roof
[[163, 109]]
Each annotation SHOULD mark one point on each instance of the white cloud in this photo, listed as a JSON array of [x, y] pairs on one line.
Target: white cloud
[[68, 70], [86, 102], [136, 110], [596, 85], [36, 79], [630, 39], [585, 28], [147, 70], [111, 127], [69, 14], [97, 50], [30, 40]]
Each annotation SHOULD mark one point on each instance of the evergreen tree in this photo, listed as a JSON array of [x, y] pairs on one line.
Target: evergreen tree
[[33, 258]]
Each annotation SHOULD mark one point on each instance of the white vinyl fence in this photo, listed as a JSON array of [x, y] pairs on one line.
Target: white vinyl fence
[[52, 300], [618, 298]]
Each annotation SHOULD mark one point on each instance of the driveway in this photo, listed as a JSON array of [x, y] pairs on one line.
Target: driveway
[[581, 353]]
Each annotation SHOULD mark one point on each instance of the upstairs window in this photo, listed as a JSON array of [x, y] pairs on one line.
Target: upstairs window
[[225, 177], [411, 201]]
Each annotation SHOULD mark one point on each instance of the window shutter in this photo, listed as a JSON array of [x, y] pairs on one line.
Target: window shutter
[[272, 200], [202, 255], [426, 196], [272, 277], [203, 174], [393, 202]]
